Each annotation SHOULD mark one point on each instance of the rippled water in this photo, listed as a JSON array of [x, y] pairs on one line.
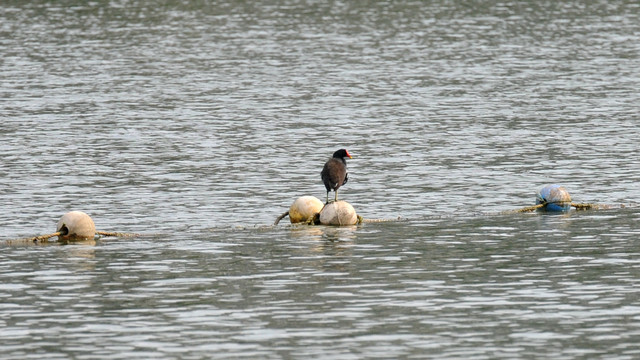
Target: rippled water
[[201, 123]]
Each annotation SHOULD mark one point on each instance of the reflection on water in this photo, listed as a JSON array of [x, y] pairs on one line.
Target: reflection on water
[[200, 123], [325, 233]]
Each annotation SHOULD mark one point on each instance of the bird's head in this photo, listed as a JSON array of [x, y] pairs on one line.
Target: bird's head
[[341, 154]]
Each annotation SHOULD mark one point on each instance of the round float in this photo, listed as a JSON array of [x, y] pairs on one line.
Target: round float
[[554, 198], [338, 213], [76, 225], [304, 209]]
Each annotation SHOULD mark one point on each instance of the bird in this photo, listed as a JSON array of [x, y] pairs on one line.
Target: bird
[[334, 173]]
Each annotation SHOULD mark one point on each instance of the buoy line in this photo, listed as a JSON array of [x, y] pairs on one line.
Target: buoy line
[[116, 234], [73, 226], [99, 235], [577, 206], [285, 214], [309, 210], [555, 198], [370, 221]]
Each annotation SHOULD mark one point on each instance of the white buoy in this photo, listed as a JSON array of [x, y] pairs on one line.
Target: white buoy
[[304, 208], [76, 225], [338, 213]]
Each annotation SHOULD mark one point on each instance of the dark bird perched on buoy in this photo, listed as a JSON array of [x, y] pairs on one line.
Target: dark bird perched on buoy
[[334, 174]]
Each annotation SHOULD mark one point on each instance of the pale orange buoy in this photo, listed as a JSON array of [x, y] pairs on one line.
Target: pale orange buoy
[[76, 225], [338, 213], [304, 208]]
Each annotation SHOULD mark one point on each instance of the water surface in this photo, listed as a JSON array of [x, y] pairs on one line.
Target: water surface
[[201, 123]]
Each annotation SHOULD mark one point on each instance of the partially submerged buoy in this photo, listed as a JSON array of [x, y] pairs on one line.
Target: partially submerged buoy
[[311, 211], [304, 209], [338, 213], [76, 225], [553, 198]]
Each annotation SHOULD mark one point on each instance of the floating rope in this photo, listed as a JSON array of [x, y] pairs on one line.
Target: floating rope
[[116, 234], [578, 206], [44, 238], [316, 220], [368, 221], [33, 240], [281, 217], [590, 206], [525, 209]]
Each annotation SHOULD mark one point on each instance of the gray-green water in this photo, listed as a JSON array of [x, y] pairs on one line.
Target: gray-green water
[[201, 123]]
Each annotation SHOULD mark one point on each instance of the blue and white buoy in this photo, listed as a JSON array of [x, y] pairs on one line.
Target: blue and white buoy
[[554, 198]]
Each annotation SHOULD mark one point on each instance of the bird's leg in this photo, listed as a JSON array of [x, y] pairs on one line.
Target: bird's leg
[[327, 198], [336, 199]]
